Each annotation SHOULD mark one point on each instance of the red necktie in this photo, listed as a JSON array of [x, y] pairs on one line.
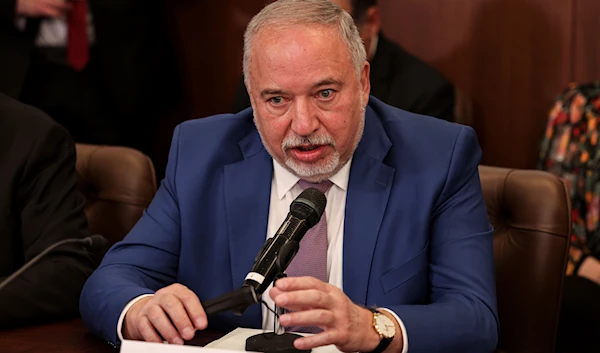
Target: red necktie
[[78, 47]]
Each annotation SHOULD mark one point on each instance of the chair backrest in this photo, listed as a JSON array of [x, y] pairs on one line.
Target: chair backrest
[[118, 184], [530, 212]]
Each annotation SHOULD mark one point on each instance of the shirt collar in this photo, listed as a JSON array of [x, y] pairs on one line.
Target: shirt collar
[[285, 180]]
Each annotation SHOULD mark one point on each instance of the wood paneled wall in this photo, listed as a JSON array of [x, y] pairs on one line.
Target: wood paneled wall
[[512, 57], [586, 40]]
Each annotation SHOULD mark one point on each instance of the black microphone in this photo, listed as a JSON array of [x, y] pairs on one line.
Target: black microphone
[[96, 244], [235, 301], [274, 256], [305, 212]]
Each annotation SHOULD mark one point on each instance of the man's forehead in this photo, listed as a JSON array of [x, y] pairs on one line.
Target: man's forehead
[[289, 41], [273, 38], [295, 68]]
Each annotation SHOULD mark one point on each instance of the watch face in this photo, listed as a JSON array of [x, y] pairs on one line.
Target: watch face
[[386, 326]]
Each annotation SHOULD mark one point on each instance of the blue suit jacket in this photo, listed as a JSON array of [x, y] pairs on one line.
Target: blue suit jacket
[[417, 238]]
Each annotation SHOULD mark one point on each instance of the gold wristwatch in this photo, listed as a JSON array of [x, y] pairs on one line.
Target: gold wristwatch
[[385, 327]]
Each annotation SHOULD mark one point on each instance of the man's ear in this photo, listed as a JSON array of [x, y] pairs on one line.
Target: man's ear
[[365, 81], [372, 23]]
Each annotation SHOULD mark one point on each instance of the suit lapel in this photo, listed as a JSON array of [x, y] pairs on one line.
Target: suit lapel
[[247, 198], [369, 187]]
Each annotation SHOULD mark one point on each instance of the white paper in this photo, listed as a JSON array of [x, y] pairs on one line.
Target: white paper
[[233, 341], [236, 341], [128, 346]]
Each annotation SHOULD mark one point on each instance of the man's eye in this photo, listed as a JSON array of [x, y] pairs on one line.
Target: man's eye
[[326, 93], [277, 100]]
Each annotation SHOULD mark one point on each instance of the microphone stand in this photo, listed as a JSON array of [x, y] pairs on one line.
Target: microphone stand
[[278, 341], [278, 329]]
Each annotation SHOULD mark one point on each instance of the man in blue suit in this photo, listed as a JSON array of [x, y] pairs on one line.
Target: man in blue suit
[[407, 257]]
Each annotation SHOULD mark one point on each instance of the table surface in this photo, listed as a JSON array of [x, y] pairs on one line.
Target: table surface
[[69, 336]]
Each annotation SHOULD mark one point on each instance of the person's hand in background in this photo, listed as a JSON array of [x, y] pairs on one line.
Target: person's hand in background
[[42, 8], [590, 269]]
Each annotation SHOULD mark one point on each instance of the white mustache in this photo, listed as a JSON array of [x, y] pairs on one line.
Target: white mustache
[[296, 141]]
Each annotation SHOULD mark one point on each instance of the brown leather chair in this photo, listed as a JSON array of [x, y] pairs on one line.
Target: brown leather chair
[[118, 184], [531, 214]]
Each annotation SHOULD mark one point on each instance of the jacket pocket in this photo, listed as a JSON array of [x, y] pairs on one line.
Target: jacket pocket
[[398, 276]]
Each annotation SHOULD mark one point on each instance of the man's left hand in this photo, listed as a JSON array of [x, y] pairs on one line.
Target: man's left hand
[[315, 303]]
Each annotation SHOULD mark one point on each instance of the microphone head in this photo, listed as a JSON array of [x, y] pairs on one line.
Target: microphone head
[[309, 206]]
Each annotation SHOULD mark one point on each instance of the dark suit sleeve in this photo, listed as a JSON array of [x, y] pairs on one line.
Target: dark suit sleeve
[[7, 13], [241, 100], [439, 102], [50, 210], [463, 314]]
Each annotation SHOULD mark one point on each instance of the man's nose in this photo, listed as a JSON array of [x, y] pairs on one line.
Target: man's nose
[[305, 118]]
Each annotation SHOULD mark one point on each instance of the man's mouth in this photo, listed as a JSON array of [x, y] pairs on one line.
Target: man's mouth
[[308, 153], [307, 148]]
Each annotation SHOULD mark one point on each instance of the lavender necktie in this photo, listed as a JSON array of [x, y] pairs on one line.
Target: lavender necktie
[[311, 259]]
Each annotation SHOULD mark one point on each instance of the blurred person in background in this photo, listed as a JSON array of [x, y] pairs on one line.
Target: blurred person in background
[[99, 68], [570, 150], [39, 206], [397, 77]]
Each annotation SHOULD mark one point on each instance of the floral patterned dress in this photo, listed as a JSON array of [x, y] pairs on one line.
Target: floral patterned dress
[[570, 150]]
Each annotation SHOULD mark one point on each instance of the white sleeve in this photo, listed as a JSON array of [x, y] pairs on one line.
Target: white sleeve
[[402, 327], [122, 317]]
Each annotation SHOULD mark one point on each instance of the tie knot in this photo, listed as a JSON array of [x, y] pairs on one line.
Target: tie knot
[[322, 186]]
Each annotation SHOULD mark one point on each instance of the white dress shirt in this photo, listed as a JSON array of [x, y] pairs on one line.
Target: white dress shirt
[[53, 32], [284, 190]]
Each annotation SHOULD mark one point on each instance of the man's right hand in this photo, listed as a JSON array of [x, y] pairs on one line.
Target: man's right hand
[[173, 312], [42, 8]]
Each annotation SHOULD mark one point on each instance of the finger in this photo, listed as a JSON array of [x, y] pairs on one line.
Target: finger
[[298, 283], [147, 331], [55, 3], [318, 317], [300, 299], [324, 338], [50, 11], [275, 292], [55, 11], [62, 6], [175, 310], [194, 309], [57, 7], [162, 324]]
